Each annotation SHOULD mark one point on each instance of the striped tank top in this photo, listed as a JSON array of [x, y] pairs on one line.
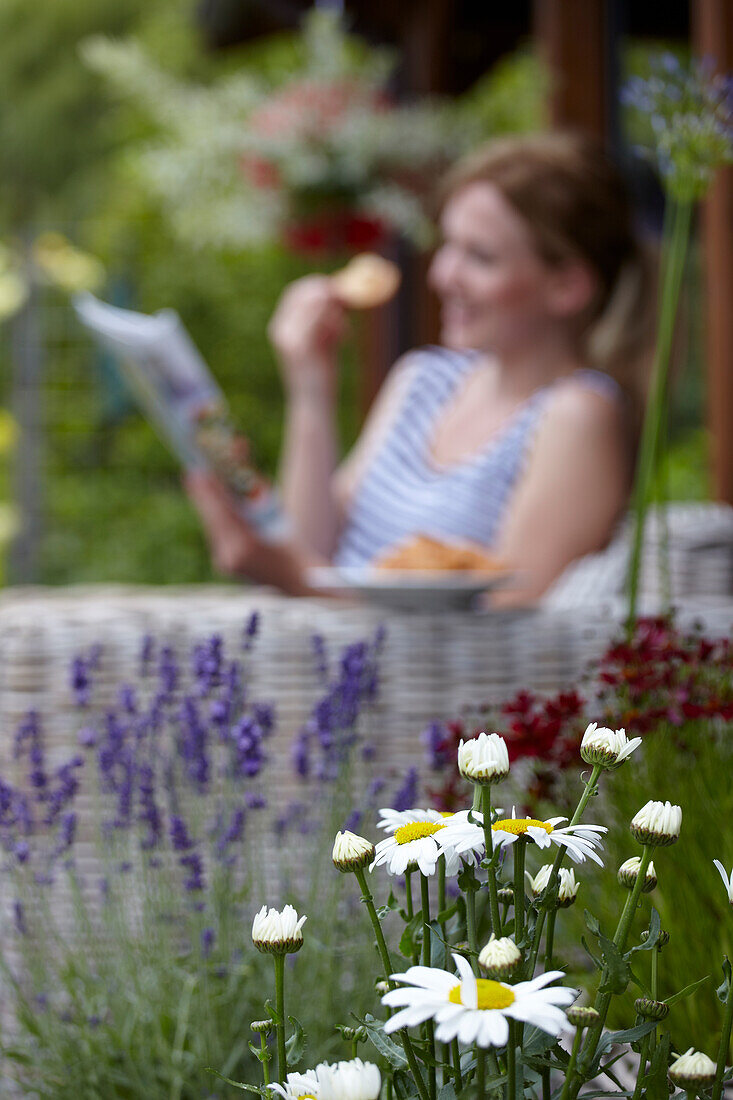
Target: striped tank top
[[404, 493]]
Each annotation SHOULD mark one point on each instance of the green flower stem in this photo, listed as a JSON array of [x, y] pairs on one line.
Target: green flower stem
[[410, 907], [511, 1063], [366, 897], [643, 1054], [676, 231], [480, 1073], [520, 851], [429, 1027], [441, 894], [471, 928], [546, 1085], [590, 789], [603, 1000], [455, 1051], [655, 993], [282, 1061], [550, 938], [570, 1072], [489, 845], [724, 1047], [265, 1059]]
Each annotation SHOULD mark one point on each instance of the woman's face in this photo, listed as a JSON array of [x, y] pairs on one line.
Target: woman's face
[[495, 290]]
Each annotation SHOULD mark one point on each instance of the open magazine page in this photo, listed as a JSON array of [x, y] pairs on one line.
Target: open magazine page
[[176, 390]]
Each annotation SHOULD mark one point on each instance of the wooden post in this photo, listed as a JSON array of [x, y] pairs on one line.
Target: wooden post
[[712, 28], [572, 36]]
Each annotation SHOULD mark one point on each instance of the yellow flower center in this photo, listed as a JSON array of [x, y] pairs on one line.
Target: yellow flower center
[[519, 826], [416, 830], [490, 994]]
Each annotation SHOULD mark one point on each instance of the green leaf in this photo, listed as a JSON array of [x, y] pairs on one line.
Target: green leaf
[[409, 940], [467, 880], [612, 1037], [655, 1081], [655, 929], [724, 989], [686, 991], [386, 1046], [447, 1092], [591, 922], [260, 1054], [390, 906], [296, 1044], [404, 1086], [272, 1012], [596, 960], [617, 970], [259, 1089], [446, 914], [438, 946]]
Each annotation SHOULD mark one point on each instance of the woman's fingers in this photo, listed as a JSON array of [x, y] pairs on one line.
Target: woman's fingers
[[230, 537]]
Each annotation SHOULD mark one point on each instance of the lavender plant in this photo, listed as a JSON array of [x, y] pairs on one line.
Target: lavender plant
[[130, 867], [483, 1007]]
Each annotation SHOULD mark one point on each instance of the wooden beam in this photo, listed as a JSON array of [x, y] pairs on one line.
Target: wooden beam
[[712, 29], [571, 35]]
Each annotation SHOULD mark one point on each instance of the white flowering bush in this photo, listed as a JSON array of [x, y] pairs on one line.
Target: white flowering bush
[[475, 997], [249, 158]]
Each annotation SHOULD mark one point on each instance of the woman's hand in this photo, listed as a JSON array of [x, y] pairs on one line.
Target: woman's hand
[[306, 328], [236, 548], [231, 539]]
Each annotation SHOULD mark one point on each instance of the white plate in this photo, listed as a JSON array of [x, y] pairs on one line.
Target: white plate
[[408, 590]]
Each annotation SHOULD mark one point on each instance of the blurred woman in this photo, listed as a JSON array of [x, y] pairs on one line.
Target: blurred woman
[[518, 432]]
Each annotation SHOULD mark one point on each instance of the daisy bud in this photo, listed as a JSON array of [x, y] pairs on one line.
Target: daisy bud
[[606, 747], [661, 942], [262, 1027], [382, 987], [484, 759], [657, 824], [505, 895], [567, 887], [582, 1015], [500, 958], [692, 1070], [628, 873], [351, 852], [277, 933], [651, 1010]]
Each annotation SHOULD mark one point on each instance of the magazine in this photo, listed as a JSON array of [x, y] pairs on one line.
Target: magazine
[[176, 390]]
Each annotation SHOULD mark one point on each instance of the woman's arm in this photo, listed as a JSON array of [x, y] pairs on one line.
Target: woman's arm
[[305, 331], [571, 494]]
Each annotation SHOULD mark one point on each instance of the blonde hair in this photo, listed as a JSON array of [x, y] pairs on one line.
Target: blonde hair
[[576, 206]]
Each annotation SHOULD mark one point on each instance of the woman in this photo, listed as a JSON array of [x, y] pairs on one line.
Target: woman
[[517, 433]]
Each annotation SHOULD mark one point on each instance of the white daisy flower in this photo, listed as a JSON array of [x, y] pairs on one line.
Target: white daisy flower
[[352, 1080], [475, 1010], [298, 1086], [414, 842], [484, 759], [462, 835], [657, 824], [351, 851], [692, 1068], [727, 879], [610, 748], [278, 933]]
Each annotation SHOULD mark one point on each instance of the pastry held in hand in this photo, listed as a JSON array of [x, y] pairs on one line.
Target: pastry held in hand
[[367, 280]]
